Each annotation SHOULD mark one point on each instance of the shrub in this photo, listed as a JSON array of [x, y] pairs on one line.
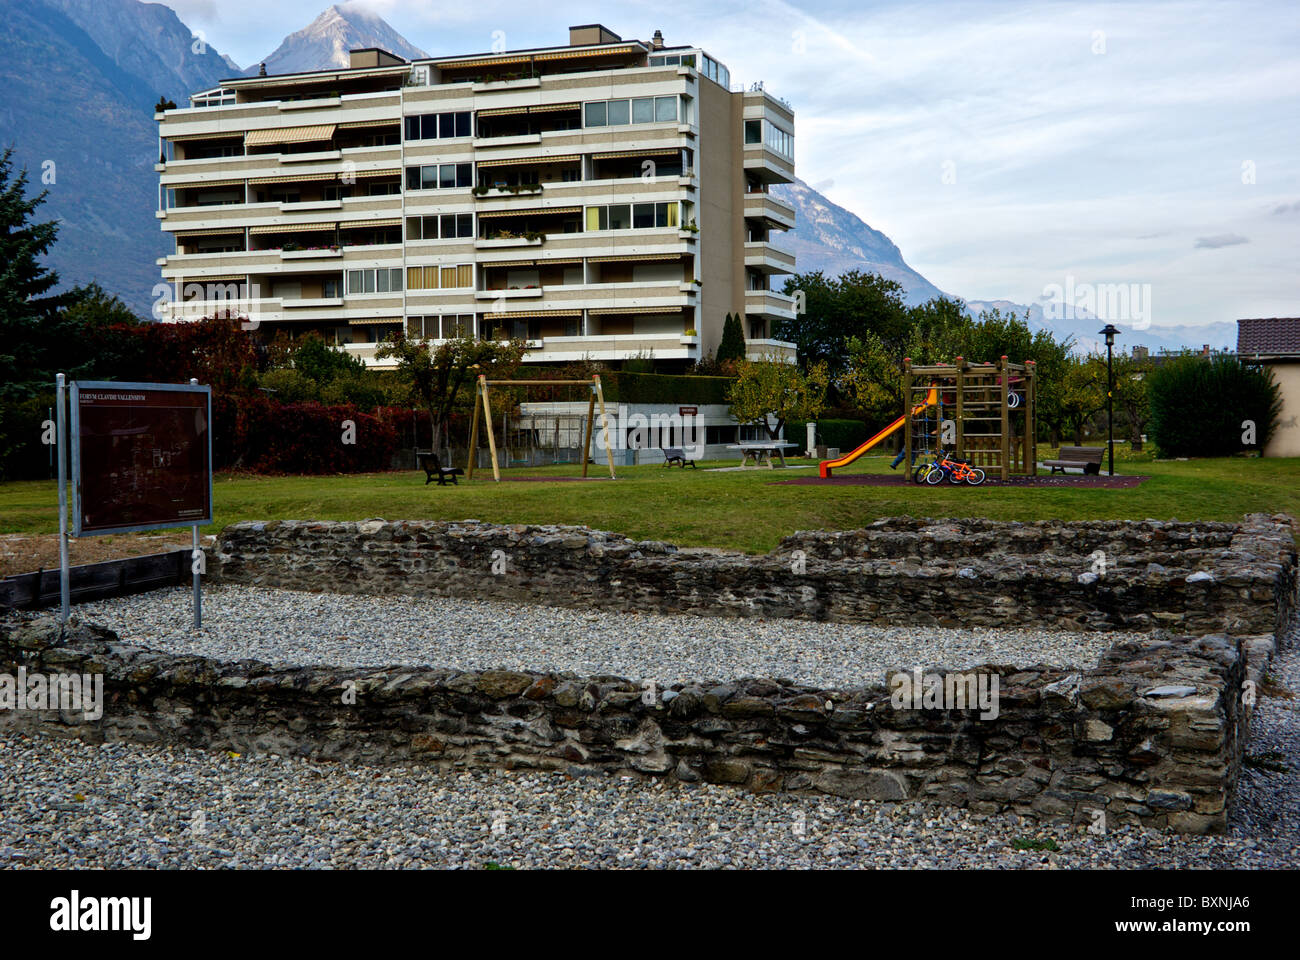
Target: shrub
[[1198, 406], [627, 387]]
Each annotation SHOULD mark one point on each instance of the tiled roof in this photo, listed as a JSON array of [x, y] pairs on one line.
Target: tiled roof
[[1269, 335]]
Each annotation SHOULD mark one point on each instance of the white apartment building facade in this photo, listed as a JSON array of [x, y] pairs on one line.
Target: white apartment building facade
[[607, 199]]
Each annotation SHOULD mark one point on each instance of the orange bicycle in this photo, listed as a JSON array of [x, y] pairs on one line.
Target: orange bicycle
[[956, 470]]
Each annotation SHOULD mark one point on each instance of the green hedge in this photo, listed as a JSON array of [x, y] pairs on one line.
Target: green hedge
[[844, 434], [624, 387], [1198, 406]]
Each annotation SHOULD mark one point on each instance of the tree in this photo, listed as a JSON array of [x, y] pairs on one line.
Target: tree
[[732, 345], [1080, 395], [772, 393], [1211, 408], [438, 378], [1131, 375], [837, 309], [33, 333]]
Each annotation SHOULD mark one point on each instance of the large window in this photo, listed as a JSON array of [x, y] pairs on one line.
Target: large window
[[445, 327], [633, 216], [447, 226], [619, 113], [438, 126], [685, 60], [382, 280], [779, 140], [439, 277], [440, 176], [753, 131]]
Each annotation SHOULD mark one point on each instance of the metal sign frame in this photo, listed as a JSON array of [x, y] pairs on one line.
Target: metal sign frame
[[75, 443]]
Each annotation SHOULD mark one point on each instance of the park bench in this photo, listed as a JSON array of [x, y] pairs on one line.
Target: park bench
[[1089, 458], [676, 455], [434, 470]]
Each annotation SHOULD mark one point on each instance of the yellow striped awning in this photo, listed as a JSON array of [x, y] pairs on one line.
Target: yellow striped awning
[[292, 228], [221, 232], [367, 321], [225, 278], [567, 53], [292, 178], [386, 172], [529, 161], [637, 256], [181, 138], [531, 314], [262, 138], [649, 152], [204, 185], [527, 263], [362, 224], [531, 211], [603, 311], [354, 124], [536, 108]]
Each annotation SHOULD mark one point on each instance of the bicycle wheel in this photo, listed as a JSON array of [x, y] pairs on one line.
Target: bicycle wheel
[[976, 477], [934, 476], [918, 475], [954, 477]]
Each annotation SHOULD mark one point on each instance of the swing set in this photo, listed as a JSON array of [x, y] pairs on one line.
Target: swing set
[[539, 429]]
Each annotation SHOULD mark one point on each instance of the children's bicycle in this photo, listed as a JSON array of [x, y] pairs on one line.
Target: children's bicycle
[[956, 470]]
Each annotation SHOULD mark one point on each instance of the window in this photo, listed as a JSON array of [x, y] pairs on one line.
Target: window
[[440, 277], [438, 126], [331, 288], [440, 327], [439, 176], [753, 131], [779, 140], [639, 216], [381, 280], [618, 113], [377, 189]]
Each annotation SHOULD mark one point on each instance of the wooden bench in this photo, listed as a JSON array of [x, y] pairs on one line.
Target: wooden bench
[[1089, 458], [434, 470], [676, 455]]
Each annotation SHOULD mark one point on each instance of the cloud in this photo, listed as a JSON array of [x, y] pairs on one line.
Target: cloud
[[1286, 208], [1220, 240]]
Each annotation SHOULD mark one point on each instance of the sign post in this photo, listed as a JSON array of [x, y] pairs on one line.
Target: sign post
[[141, 459], [65, 587]]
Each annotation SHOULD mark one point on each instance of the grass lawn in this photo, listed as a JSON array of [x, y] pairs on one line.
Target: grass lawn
[[740, 510]]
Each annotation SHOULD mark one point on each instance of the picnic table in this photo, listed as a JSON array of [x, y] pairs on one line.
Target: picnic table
[[761, 453]]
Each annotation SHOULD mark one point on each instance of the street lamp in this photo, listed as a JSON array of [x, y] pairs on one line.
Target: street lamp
[[1109, 333]]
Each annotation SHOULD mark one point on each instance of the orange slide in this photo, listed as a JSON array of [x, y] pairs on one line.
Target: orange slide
[[826, 466]]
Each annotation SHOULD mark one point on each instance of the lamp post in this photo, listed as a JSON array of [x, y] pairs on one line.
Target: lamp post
[[1109, 333]]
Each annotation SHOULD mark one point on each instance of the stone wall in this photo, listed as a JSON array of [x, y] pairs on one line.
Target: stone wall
[[1150, 736], [1238, 579]]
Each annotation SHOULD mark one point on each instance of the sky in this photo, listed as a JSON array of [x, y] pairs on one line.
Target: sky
[[1009, 149]]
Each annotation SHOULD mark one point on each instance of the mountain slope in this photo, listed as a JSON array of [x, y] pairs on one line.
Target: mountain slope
[[83, 128], [150, 42], [829, 238], [325, 42]]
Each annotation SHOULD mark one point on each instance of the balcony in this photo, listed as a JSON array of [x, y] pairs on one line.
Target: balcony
[[769, 304], [765, 207], [762, 256], [778, 351], [661, 346], [768, 165]]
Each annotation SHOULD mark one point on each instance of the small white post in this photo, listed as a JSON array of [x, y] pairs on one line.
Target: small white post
[[196, 558], [812, 438]]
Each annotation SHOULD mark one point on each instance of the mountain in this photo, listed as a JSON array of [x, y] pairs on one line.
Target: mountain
[[829, 238], [148, 41], [325, 42], [78, 109]]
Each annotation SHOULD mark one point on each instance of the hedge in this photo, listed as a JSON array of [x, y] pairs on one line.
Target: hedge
[[624, 387], [1199, 407], [844, 434]]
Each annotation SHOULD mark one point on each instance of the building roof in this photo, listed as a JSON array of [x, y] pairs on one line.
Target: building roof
[[1272, 336]]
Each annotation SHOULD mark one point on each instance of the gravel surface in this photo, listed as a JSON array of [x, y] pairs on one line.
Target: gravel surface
[[283, 626], [64, 803]]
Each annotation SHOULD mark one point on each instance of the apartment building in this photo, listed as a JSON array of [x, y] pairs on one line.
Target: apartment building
[[606, 199]]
